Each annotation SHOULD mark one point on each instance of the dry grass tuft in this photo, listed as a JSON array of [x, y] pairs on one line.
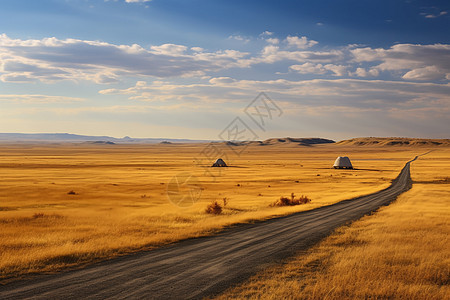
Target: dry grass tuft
[[284, 201], [214, 208], [38, 215], [41, 215]]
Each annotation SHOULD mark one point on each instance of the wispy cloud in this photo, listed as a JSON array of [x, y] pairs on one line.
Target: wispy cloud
[[416, 107], [433, 16], [379, 94], [40, 99], [238, 37]]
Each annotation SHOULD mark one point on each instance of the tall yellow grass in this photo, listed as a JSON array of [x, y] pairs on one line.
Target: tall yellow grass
[[401, 252], [120, 203]]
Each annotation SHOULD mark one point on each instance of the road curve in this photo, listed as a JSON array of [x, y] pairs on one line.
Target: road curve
[[206, 266]]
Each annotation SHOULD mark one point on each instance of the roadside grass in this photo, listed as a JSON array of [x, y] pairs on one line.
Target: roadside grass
[[70, 205], [400, 252]]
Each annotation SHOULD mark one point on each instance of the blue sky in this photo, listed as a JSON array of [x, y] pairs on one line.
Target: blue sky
[[185, 69]]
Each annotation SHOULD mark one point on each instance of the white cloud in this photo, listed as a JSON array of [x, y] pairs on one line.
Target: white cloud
[[425, 73], [197, 49], [311, 68], [266, 33], [432, 61], [169, 49], [338, 70], [273, 53], [273, 41], [362, 72], [51, 59], [221, 80], [301, 43]]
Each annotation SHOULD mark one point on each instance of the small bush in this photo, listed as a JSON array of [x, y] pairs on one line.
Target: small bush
[[38, 215], [284, 201], [225, 202], [214, 208], [71, 193]]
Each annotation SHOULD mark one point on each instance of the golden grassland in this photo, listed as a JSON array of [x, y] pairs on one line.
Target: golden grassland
[[121, 206], [400, 252]]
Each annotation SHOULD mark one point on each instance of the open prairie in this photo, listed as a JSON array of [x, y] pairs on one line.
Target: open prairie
[[72, 204], [400, 252]]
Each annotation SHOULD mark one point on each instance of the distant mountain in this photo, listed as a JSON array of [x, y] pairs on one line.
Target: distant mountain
[[68, 137], [108, 140], [299, 141]]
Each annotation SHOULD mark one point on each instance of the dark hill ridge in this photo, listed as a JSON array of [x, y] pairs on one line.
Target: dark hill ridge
[[284, 141], [300, 141], [101, 143]]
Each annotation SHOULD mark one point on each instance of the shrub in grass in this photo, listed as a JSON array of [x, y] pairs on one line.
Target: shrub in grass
[[214, 208], [285, 201], [38, 215], [303, 200]]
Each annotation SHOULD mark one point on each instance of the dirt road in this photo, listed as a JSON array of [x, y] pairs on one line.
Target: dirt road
[[205, 266]]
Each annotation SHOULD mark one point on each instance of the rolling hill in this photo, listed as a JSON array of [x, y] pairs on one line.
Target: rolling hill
[[393, 141]]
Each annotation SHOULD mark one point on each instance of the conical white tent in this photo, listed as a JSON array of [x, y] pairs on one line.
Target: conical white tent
[[343, 162], [219, 163]]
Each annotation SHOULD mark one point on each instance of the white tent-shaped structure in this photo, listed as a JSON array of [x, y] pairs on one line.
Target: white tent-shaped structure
[[343, 162], [219, 163]]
